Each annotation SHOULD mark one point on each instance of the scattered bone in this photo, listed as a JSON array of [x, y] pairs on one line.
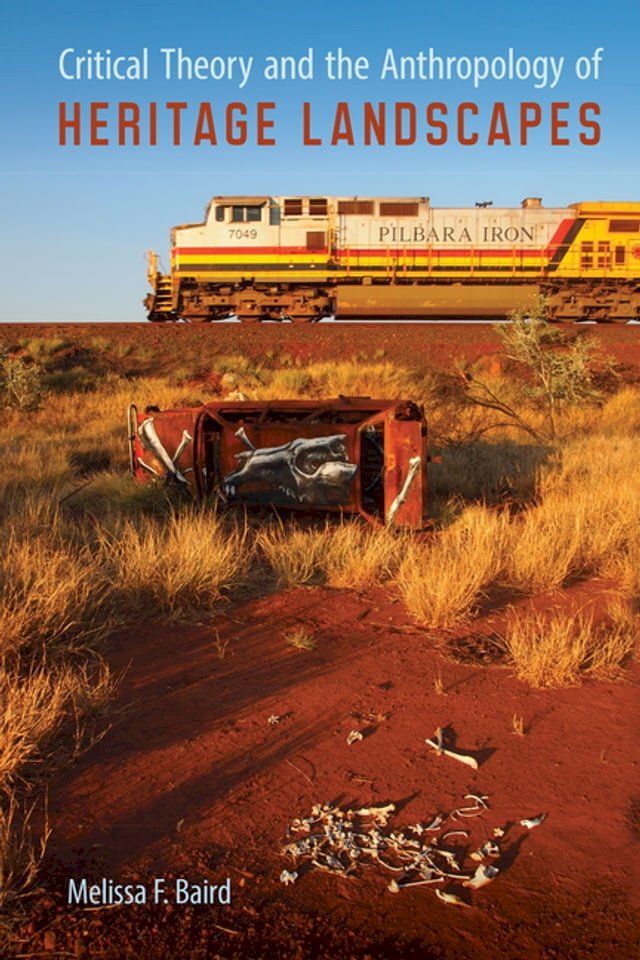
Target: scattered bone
[[531, 822], [488, 849], [455, 833], [450, 898], [484, 874], [435, 823], [449, 858], [354, 736], [338, 841], [477, 810], [479, 798], [379, 814], [395, 887], [437, 744]]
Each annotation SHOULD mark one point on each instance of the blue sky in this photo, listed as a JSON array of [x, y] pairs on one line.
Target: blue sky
[[77, 221]]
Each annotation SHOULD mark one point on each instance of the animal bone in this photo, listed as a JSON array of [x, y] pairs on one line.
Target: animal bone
[[435, 823], [354, 736], [150, 438], [531, 822], [484, 874], [449, 857], [387, 866], [379, 814], [184, 443], [475, 811], [396, 887], [242, 434], [288, 877], [488, 849], [437, 745], [480, 799], [454, 833], [450, 898], [414, 466], [273, 720]]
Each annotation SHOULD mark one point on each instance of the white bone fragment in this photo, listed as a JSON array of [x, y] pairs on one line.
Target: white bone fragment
[[396, 887], [273, 719], [440, 750], [450, 898], [379, 814], [354, 736], [387, 866], [184, 443], [484, 874], [531, 822], [498, 832], [454, 833], [414, 466], [475, 811], [288, 877], [449, 858], [488, 849], [147, 432], [435, 823]]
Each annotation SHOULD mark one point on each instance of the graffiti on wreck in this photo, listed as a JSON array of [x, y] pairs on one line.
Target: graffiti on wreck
[[313, 471], [152, 442]]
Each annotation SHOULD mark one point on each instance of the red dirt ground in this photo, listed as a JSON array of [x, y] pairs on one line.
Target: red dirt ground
[[192, 781], [435, 344]]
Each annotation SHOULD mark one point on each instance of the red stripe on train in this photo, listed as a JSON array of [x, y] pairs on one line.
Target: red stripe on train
[[350, 252]]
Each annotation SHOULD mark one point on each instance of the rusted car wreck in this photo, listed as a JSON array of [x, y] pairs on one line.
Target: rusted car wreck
[[349, 455]]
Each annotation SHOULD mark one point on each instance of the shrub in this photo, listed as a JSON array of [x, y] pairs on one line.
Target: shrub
[[21, 384]]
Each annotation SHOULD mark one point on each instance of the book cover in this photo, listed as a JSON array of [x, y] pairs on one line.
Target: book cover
[[319, 383]]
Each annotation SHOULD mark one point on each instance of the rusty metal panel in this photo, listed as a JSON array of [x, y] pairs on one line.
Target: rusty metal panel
[[405, 473], [163, 446], [295, 454]]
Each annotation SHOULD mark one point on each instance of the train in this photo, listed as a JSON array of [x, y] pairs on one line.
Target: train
[[305, 258]]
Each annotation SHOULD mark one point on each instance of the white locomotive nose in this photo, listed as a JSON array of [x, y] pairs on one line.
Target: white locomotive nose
[[303, 259]]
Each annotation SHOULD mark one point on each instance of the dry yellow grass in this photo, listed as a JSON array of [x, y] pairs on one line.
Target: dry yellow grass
[[51, 593], [36, 701], [357, 557], [20, 851], [586, 517], [558, 649], [348, 554], [300, 638], [293, 553], [175, 566], [441, 582]]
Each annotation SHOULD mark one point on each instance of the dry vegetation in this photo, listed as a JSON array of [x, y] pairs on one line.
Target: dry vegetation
[[556, 650], [85, 551]]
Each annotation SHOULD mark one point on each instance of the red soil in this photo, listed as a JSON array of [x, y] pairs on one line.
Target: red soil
[[191, 780], [437, 345]]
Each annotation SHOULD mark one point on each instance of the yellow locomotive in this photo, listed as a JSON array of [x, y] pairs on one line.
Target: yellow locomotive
[[305, 258]]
